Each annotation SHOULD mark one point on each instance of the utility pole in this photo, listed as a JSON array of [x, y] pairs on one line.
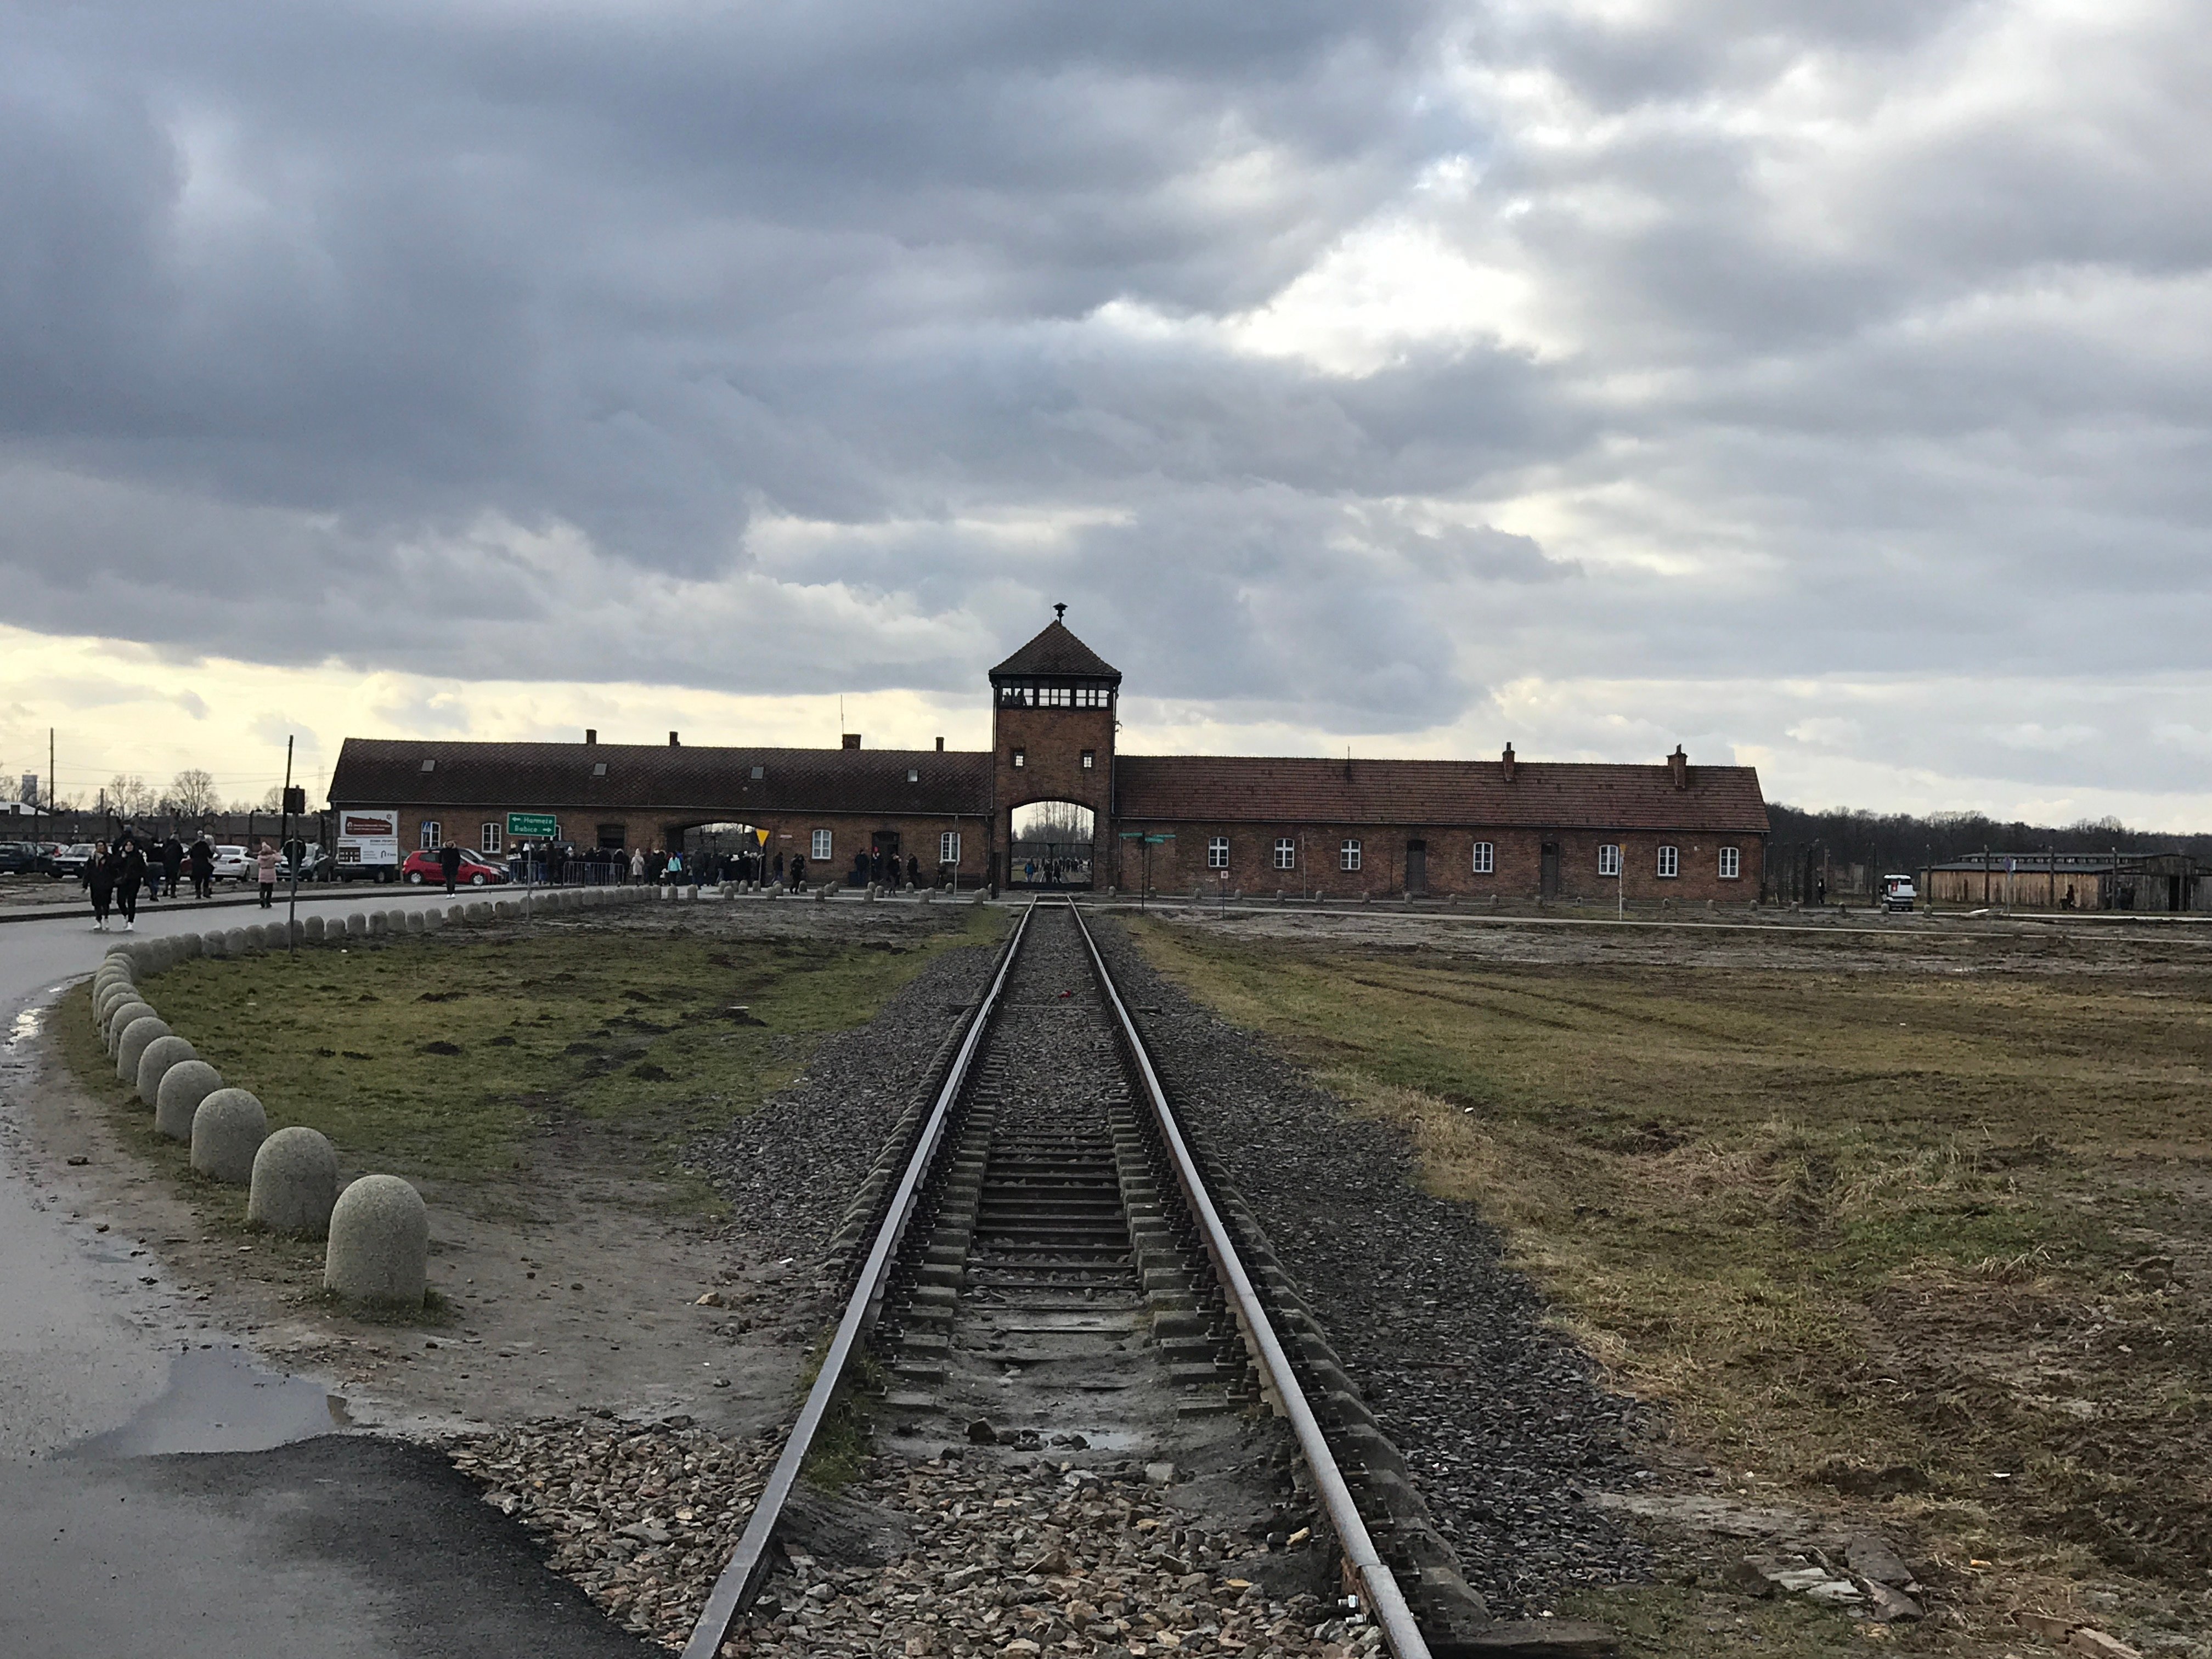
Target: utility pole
[[298, 858]]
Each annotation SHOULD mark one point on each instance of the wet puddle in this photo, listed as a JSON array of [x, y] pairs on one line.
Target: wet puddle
[[219, 1400]]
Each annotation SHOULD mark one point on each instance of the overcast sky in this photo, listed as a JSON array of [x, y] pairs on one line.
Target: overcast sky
[[1822, 386]]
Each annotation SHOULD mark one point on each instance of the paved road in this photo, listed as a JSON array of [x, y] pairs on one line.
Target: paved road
[[336, 1547]]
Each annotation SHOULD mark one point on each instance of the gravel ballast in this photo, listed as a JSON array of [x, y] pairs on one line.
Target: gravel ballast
[[962, 1553], [1502, 1423], [790, 1169]]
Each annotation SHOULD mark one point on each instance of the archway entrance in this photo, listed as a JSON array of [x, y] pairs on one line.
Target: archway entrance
[[1052, 846]]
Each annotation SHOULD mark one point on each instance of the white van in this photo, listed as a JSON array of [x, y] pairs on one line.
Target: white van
[[1898, 893]]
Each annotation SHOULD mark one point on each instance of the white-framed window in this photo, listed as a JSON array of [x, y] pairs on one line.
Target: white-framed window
[[493, 837], [1670, 861], [1348, 856], [1021, 758], [948, 847], [1731, 864], [1093, 696], [820, 842], [1056, 696], [1286, 853], [433, 835], [1090, 759], [1486, 858], [1217, 853], [1608, 860]]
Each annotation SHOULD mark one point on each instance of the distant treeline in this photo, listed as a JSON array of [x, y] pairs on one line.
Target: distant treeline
[[1886, 841]]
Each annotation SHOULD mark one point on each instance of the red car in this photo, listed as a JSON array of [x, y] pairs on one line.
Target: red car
[[476, 871]]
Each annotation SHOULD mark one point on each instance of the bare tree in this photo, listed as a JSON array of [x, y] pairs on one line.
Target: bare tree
[[271, 801], [129, 795], [192, 795]]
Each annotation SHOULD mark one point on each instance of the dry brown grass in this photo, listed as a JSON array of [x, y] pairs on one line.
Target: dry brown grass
[[1839, 1222]]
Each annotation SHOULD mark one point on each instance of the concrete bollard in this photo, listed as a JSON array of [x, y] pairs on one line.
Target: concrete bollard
[[228, 1130], [104, 1003], [414, 921], [183, 1087], [480, 911], [311, 930], [294, 1184], [257, 936], [379, 1248], [154, 1065], [395, 921], [233, 942], [190, 945], [433, 920], [133, 1042], [374, 924], [357, 924], [456, 913], [119, 1018]]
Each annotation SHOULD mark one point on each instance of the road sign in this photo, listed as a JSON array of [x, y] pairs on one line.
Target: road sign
[[1149, 841], [533, 826]]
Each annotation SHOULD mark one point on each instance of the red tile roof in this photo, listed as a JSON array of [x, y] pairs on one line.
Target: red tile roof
[[1548, 795], [1056, 651], [382, 772]]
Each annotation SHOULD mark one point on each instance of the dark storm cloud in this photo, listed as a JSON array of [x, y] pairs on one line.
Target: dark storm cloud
[[789, 348]]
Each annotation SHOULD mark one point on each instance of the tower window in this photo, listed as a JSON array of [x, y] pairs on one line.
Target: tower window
[[1348, 855], [1021, 758], [1608, 860], [1670, 861], [1286, 854], [1217, 853], [1486, 858], [1090, 759]]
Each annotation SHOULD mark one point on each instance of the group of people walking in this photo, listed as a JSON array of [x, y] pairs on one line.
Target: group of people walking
[[114, 875]]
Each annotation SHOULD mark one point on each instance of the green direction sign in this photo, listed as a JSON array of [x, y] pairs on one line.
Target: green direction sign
[[533, 826]]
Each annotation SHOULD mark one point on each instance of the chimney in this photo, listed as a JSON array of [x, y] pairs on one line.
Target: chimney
[[672, 740], [591, 734], [1505, 763], [852, 740], [940, 745], [1677, 764]]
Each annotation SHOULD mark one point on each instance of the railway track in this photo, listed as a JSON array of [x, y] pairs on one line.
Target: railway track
[[1038, 1261]]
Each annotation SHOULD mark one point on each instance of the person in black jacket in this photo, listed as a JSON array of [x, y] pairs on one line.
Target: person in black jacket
[[99, 883], [172, 863], [449, 860], [203, 862], [129, 876]]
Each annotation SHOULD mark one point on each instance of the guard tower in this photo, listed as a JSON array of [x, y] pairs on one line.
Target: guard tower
[[1052, 727]]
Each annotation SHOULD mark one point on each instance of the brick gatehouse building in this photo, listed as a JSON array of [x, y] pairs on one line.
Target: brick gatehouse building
[[1506, 826]]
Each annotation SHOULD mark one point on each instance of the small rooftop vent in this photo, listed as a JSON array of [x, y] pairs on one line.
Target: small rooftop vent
[[672, 740], [759, 772], [599, 769], [912, 776], [852, 740], [591, 734], [429, 766]]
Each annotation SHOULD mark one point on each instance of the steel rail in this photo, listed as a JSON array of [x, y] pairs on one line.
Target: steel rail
[[1378, 1585], [739, 1581]]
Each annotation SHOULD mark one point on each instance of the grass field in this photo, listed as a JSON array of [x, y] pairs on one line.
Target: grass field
[[1933, 1246], [445, 1058]]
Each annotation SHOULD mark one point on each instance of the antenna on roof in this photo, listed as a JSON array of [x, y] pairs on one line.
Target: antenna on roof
[[1060, 613]]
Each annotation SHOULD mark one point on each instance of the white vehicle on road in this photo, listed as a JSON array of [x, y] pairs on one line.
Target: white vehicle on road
[[1898, 893], [232, 864]]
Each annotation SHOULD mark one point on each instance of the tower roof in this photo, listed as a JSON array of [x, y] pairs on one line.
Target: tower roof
[[1056, 651]]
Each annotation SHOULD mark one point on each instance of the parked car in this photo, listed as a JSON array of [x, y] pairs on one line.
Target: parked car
[[232, 864], [23, 858], [1898, 893], [316, 868], [69, 861], [477, 871]]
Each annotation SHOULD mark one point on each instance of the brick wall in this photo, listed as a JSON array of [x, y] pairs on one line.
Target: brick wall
[[1052, 743], [1516, 858]]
